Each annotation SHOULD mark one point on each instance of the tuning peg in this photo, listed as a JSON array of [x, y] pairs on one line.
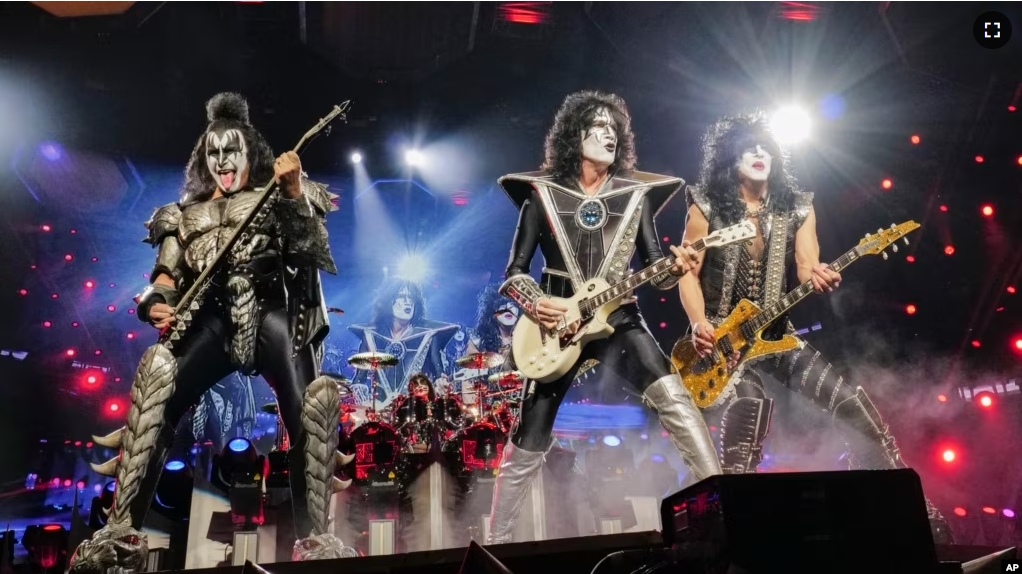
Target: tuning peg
[[880, 229], [884, 255], [893, 226], [905, 240], [867, 236], [894, 247]]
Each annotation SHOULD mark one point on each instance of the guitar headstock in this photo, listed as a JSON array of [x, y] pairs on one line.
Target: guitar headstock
[[323, 123], [722, 237], [875, 243]]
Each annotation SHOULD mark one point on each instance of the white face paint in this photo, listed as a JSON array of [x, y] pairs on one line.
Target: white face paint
[[507, 314], [754, 164], [404, 307], [420, 389], [227, 159], [599, 142]]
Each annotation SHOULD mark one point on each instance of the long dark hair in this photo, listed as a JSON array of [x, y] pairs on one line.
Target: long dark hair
[[421, 378], [723, 145], [382, 317], [226, 111], [487, 328], [563, 146]]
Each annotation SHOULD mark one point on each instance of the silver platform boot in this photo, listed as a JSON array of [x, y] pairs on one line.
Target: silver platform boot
[[518, 468], [683, 421]]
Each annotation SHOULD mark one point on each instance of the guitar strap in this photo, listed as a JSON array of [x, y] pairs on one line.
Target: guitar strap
[[776, 255]]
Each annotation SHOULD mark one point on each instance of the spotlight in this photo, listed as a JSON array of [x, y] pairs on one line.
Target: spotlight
[[989, 510], [47, 546], [887, 183], [911, 259], [959, 511], [611, 440], [942, 398], [1009, 513], [980, 159], [239, 471], [413, 268], [790, 125], [987, 210], [1019, 160], [1017, 343], [943, 208], [985, 400], [174, 490], [910, 309], [414, 157], [356, 158], [949, 250], [976, 344], [1011, 289], [915, 139], [948, 455]]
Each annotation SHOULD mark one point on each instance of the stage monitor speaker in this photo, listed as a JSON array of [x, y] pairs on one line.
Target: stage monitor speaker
[[851, 521]]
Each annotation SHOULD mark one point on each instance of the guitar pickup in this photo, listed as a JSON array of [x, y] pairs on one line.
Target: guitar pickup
[[725, 346]]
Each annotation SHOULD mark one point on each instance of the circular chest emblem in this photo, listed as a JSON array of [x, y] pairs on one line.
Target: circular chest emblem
[[397, 348], [591, 215]]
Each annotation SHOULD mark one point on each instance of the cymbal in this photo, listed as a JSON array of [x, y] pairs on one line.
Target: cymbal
[[507, 378], [481, 361], [270, 408], [343, 383], [371, 361]]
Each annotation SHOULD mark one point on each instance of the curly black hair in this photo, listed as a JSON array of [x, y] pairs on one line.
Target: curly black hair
[[563, 146], [226, 111], [723, 145], [487, 328], [382, 318], [422, 378]]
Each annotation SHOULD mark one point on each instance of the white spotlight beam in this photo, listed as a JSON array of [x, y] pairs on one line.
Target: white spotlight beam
[[791, 125]]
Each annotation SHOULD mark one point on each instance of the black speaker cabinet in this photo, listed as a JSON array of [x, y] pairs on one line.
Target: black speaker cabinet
[[851, 521]]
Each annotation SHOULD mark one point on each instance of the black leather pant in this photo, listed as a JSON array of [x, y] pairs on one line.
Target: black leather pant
[[203, 360], [631, 353]]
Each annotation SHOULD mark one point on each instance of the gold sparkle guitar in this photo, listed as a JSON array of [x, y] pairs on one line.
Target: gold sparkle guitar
[[709, 379], [545, 355]]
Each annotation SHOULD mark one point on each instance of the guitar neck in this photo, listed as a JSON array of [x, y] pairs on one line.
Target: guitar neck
[[793, 297], [637, 280]]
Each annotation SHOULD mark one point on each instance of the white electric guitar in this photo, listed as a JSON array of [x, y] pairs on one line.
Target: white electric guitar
[[545, 355]]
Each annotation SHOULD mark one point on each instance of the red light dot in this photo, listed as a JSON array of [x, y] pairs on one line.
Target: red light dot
[[54, 295], [47, 324], [887, 184], [1011, 289], [131, 335], [910, 309], [45, 227], [67, 482], [114, 407], [915, 139], [70, 352], [989, 510], [1018, 342], [91, 379], [1019, 160], [948, 455], [949, 250], [73, 231], [911, 259], [663, 325], [113, 285], [117, 380], [1012, 108], [943, 208], [131, 311], [68, 257], [89, 284], [74, 324], [942, 398], [976, 344], [979, 159], [111, 308], [663, 299], [97, 352], [95, 259], [960, 511], [78, 443], [987, 210], [667, 239], [32, 267], [88, 445], [986, 402], [23, 292], [145, 275], [80, 485]]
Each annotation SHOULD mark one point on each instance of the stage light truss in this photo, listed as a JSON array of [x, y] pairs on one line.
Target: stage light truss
[[1009, 387]]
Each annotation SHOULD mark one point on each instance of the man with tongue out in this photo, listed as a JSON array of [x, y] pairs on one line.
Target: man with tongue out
[[263, 314]]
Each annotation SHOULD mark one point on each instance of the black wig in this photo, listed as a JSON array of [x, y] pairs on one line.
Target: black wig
[[723, 146], [487, 329], [226, 111], [383, 316], [563, 147]]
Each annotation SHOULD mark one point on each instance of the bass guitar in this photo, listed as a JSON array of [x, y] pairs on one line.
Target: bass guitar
[[545, 355], [709, 379]]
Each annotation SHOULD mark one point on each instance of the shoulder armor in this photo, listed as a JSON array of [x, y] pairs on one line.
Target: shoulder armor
[[321, 199], [695, 195], [803, 203], [164, 222]]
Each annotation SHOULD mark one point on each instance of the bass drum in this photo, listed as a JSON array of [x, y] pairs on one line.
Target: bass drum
[[377, 447], [475, 451]]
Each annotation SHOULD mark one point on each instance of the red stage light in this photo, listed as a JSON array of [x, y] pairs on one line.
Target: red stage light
[[987, 210], [31, 266], [67, 482], [1011, 289], [949, 250], [78, 443], [943, 208], [68, 257], [88, 445], [887, 184], [960, 511], [89, 284], [95, 259], [979, 159], [948, 455], [80, 485], [911, 259], [91, 379], [663, 299], [131, 311], [986, 401], [70, 352], [117, 380], [114, 407], [663, 325], [131, 335], [667, 239], [23, 292], [915, 139], [989, 510], [47, 324], [111, 308], [73, 231], [975, 344], [942, 398], [1018, 342], [1012, 108], [75, 324], [45, 227], [113, 285], [54, 295], [910, 309], [1019, 160], [97, 352]]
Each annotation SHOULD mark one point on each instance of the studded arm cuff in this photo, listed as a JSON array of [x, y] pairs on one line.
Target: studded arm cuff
[[152, 295], [523, 290]]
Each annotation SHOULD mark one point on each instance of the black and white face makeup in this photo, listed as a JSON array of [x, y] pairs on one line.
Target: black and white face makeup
[[404, 307], [754, 163], [420, 389], [507, 314], [599, 142], [227, 159]]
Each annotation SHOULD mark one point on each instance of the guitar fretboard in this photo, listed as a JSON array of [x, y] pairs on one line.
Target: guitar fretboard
[[790, 299], [589, 306]]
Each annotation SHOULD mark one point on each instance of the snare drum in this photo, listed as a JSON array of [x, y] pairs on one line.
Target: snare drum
[[475, 450], [377, 447]]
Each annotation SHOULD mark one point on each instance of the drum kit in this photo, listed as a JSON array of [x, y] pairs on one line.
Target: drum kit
[[469, 426]]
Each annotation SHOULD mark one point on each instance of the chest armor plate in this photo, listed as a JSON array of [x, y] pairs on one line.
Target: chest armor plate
[[208, 225]]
